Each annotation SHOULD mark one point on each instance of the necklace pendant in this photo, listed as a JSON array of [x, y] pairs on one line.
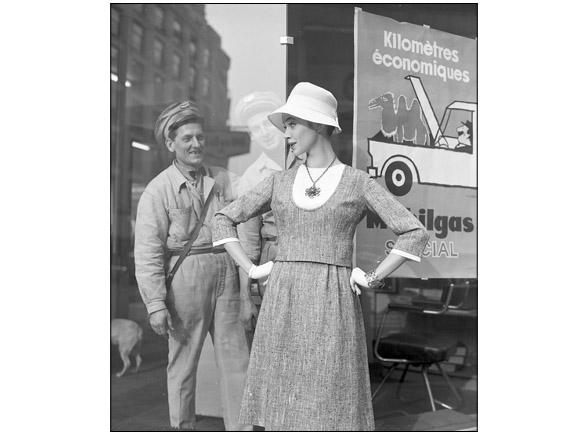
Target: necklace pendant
[[312, 191]]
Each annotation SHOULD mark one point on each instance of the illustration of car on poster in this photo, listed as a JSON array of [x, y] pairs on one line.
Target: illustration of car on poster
[[412, 146]]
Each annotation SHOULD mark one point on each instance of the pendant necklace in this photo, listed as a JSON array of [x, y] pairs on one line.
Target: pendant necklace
[[313, 191]]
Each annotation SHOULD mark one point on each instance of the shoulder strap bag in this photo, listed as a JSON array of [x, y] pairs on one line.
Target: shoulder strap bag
[[193, 237]]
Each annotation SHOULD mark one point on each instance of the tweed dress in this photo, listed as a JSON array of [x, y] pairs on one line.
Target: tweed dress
[[308, 369]]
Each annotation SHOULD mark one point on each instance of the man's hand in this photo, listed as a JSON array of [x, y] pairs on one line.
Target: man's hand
[[248, 313], [358, 280], [161, 322]]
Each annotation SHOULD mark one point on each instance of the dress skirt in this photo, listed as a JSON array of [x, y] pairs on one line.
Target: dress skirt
[[308, 369]]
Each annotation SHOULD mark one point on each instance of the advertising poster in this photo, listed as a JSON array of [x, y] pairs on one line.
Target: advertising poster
[[416, 134]]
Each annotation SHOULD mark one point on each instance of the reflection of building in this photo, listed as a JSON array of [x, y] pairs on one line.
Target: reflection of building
[[163, 53], [170, 53], [159, 53]]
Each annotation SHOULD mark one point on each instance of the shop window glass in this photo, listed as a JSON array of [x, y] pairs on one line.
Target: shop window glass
[[114, 21], [113, 59], [136, 74], [137, 33], [211, 59], [136, 114], [192, 79], [166, 71], [206, 112], [193, 50], [206, 58], [176, 65], [205, 86], [222, 73], [158, 17], [177, 32], [158, 89], [323, 53], [158, 52]]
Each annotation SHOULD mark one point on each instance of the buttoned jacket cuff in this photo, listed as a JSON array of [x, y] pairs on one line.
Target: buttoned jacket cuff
[[407, 255]]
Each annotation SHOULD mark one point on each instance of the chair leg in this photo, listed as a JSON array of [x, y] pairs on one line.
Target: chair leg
[[426, 378], [451, 386], [406, 366], [383, 381]]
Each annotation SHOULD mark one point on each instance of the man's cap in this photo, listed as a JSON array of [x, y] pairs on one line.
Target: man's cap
[[172, 115], [311, 103], [468, 124], [255, 103]]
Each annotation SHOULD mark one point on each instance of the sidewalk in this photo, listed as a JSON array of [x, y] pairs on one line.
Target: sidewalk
[[139, 403], [139, 400]]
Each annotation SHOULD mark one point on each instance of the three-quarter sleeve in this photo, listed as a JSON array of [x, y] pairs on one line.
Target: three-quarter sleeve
[[254, 203], [412, 235]]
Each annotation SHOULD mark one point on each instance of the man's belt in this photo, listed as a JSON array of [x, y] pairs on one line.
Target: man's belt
[[198, 251], [270, 238]]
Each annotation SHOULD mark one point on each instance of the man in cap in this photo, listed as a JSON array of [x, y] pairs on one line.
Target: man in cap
[[464, 137], [258, 235], [203, 296]]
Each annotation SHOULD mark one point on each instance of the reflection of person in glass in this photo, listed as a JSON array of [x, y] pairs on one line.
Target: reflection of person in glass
[[308, 368], [464, 137], [258, 234], [202, 297]]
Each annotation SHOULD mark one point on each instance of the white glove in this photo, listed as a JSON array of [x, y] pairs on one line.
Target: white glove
[[358, 280], [262, 271]]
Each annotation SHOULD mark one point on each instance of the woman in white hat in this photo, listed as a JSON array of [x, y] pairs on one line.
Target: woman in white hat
[[308, 369]]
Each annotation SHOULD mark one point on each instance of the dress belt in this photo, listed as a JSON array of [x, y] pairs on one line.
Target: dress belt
[[198, 251], [270, 238]]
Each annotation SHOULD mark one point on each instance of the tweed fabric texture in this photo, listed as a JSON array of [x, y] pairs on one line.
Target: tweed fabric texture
[[324, 234], [308, 367]]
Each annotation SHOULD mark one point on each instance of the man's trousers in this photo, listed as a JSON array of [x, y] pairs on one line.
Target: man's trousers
[[204, 298]]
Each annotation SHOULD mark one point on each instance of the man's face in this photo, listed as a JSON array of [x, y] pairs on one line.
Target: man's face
[[463, 135], [188, 144], [263, 133]]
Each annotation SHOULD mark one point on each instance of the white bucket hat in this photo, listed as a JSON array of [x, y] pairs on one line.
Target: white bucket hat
[[311, 103]]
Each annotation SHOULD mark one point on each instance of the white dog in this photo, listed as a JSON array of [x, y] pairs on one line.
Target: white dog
[[128, 335]]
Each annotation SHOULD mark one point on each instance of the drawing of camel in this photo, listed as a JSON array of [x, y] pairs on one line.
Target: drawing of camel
[[414, 129], [399, 122], [389, 126]]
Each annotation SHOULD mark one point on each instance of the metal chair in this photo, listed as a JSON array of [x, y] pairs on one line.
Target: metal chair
[[419, 349]]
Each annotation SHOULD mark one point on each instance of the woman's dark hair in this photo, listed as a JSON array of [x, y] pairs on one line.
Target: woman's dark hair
[[330, 130]]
